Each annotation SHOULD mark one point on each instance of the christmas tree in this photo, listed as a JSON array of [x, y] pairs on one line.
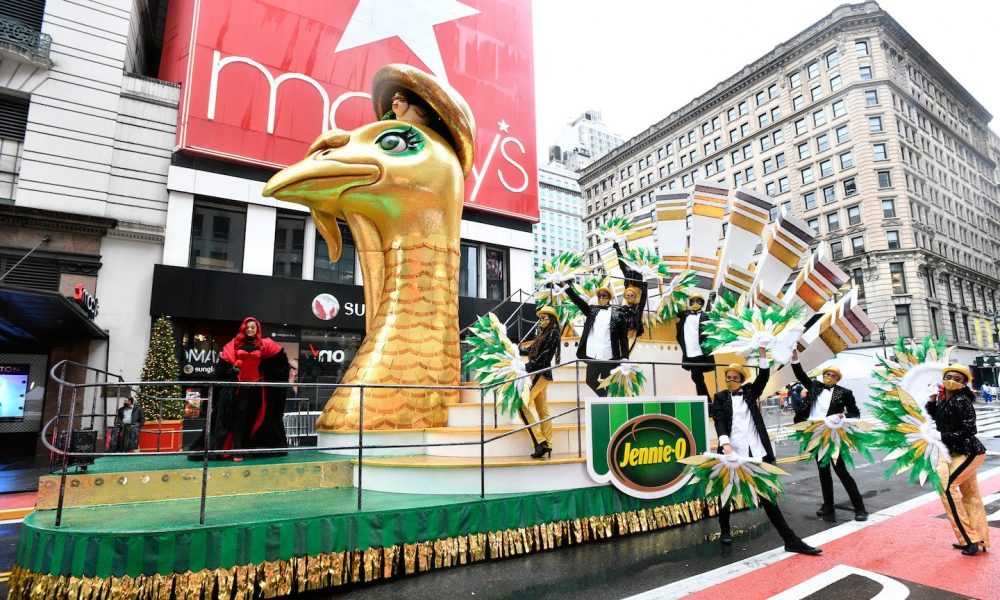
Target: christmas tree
[[161, 365]]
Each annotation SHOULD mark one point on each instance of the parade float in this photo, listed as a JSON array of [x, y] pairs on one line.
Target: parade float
[[416, 469]]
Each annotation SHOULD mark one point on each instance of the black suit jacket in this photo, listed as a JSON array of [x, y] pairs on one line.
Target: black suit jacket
[[721, 411], [627, 318], [591, 310], [842, 400]]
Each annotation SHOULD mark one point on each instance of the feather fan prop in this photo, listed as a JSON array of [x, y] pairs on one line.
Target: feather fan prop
[[746, 328], [902, 387], [616, 229], [625, 380], [828, 439], [647, 263], [496, 360], [674, 297], [731, 476]]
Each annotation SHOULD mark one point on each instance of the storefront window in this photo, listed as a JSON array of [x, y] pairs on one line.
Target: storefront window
[[496, 274], [217, 233], [289, 237], [468, 272], [341, 271], [325, 355]]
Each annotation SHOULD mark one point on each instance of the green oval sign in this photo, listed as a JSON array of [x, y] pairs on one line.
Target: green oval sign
[[643, 454]]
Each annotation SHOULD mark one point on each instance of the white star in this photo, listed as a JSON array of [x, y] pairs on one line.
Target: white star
[[504, 125], [412, 21]]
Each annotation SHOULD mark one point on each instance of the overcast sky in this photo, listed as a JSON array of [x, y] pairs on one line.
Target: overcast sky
[[639, 60]]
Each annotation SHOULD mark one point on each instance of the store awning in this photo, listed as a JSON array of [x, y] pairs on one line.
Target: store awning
[[37, 318]]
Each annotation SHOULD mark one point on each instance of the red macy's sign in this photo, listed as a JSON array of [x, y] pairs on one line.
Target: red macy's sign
[[262, 78]]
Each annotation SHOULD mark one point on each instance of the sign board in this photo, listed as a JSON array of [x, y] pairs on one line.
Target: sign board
[[635, 443], [261, 79]]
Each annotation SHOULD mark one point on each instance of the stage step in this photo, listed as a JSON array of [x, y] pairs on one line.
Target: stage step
[[143, 478], [457, 475], [564, 439], [467, 414]]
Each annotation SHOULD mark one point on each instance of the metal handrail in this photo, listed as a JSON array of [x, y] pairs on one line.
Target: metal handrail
[[57, 374], [27, 38]]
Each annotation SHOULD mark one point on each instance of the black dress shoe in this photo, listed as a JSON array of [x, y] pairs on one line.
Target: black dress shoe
[[958, 546], [860, 515], [801, 547], [824, 511], [971, 550], [726, 538]]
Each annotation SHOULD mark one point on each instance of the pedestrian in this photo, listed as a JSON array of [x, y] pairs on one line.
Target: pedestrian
[[740, 428], [954, 413], [826, 398], [128, 421], [540, 352], [690, 336]]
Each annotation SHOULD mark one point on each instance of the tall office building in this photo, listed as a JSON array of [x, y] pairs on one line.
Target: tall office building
[[560, 225], [583, 140], [852, 126]]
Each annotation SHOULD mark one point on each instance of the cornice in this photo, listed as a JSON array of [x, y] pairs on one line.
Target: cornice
[[19, 216]]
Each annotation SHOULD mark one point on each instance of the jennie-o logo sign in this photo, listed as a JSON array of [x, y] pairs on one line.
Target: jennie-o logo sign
[[637, 443]]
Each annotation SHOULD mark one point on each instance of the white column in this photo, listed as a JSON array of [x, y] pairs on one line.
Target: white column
[[258, 246], [177, 234], [309, 250]]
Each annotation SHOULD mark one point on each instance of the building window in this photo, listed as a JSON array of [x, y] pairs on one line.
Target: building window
[[468, 271], [888, 208], [829, 194], [816, 92], [850, 187], [744, 107], [768, 164], [822, 143], [803, 151], [809, 200], [892, 239], [794, 80], [819, 117], [826, 168], [861, 48], [812, 69], [770, 188], [832, 221], [837, 250], [783, 185], [874, 124], [898, 278], [858, 244], [798, 102], [832, 59], [813, 224], [884, 179], [879, 152], [341, 271], [839, 109], [779, 159], [859, 281], [903, 324], [807, 175], [800, 127], [836, 83], [871, 97], [217, 236], [289, 241], [846, 160], [775, 113], [854, 215], [866, 73], [496, 274], [843, 134]]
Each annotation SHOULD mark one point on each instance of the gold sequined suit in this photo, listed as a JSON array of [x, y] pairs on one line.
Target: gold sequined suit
[[400, 188]]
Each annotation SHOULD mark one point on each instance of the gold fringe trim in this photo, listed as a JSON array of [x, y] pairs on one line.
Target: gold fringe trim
[[306, 573]]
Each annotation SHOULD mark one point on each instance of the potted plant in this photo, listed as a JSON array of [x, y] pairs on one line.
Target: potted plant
[[163, 404]]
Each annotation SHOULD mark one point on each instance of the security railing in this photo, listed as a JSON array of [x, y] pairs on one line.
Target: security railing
[[120, 389], [27, 38]]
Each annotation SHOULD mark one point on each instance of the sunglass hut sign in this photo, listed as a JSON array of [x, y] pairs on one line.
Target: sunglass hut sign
[[636, 444]]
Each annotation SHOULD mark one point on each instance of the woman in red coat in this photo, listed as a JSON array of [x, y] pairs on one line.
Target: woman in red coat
[[248, 417]]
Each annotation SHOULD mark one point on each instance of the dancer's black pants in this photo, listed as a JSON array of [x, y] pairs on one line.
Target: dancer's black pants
[[826, 484]]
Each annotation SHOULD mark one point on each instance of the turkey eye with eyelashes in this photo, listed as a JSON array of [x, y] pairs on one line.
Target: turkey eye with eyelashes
[[400, 141]]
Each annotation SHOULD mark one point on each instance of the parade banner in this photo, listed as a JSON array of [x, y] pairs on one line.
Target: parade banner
[[636, 443]]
